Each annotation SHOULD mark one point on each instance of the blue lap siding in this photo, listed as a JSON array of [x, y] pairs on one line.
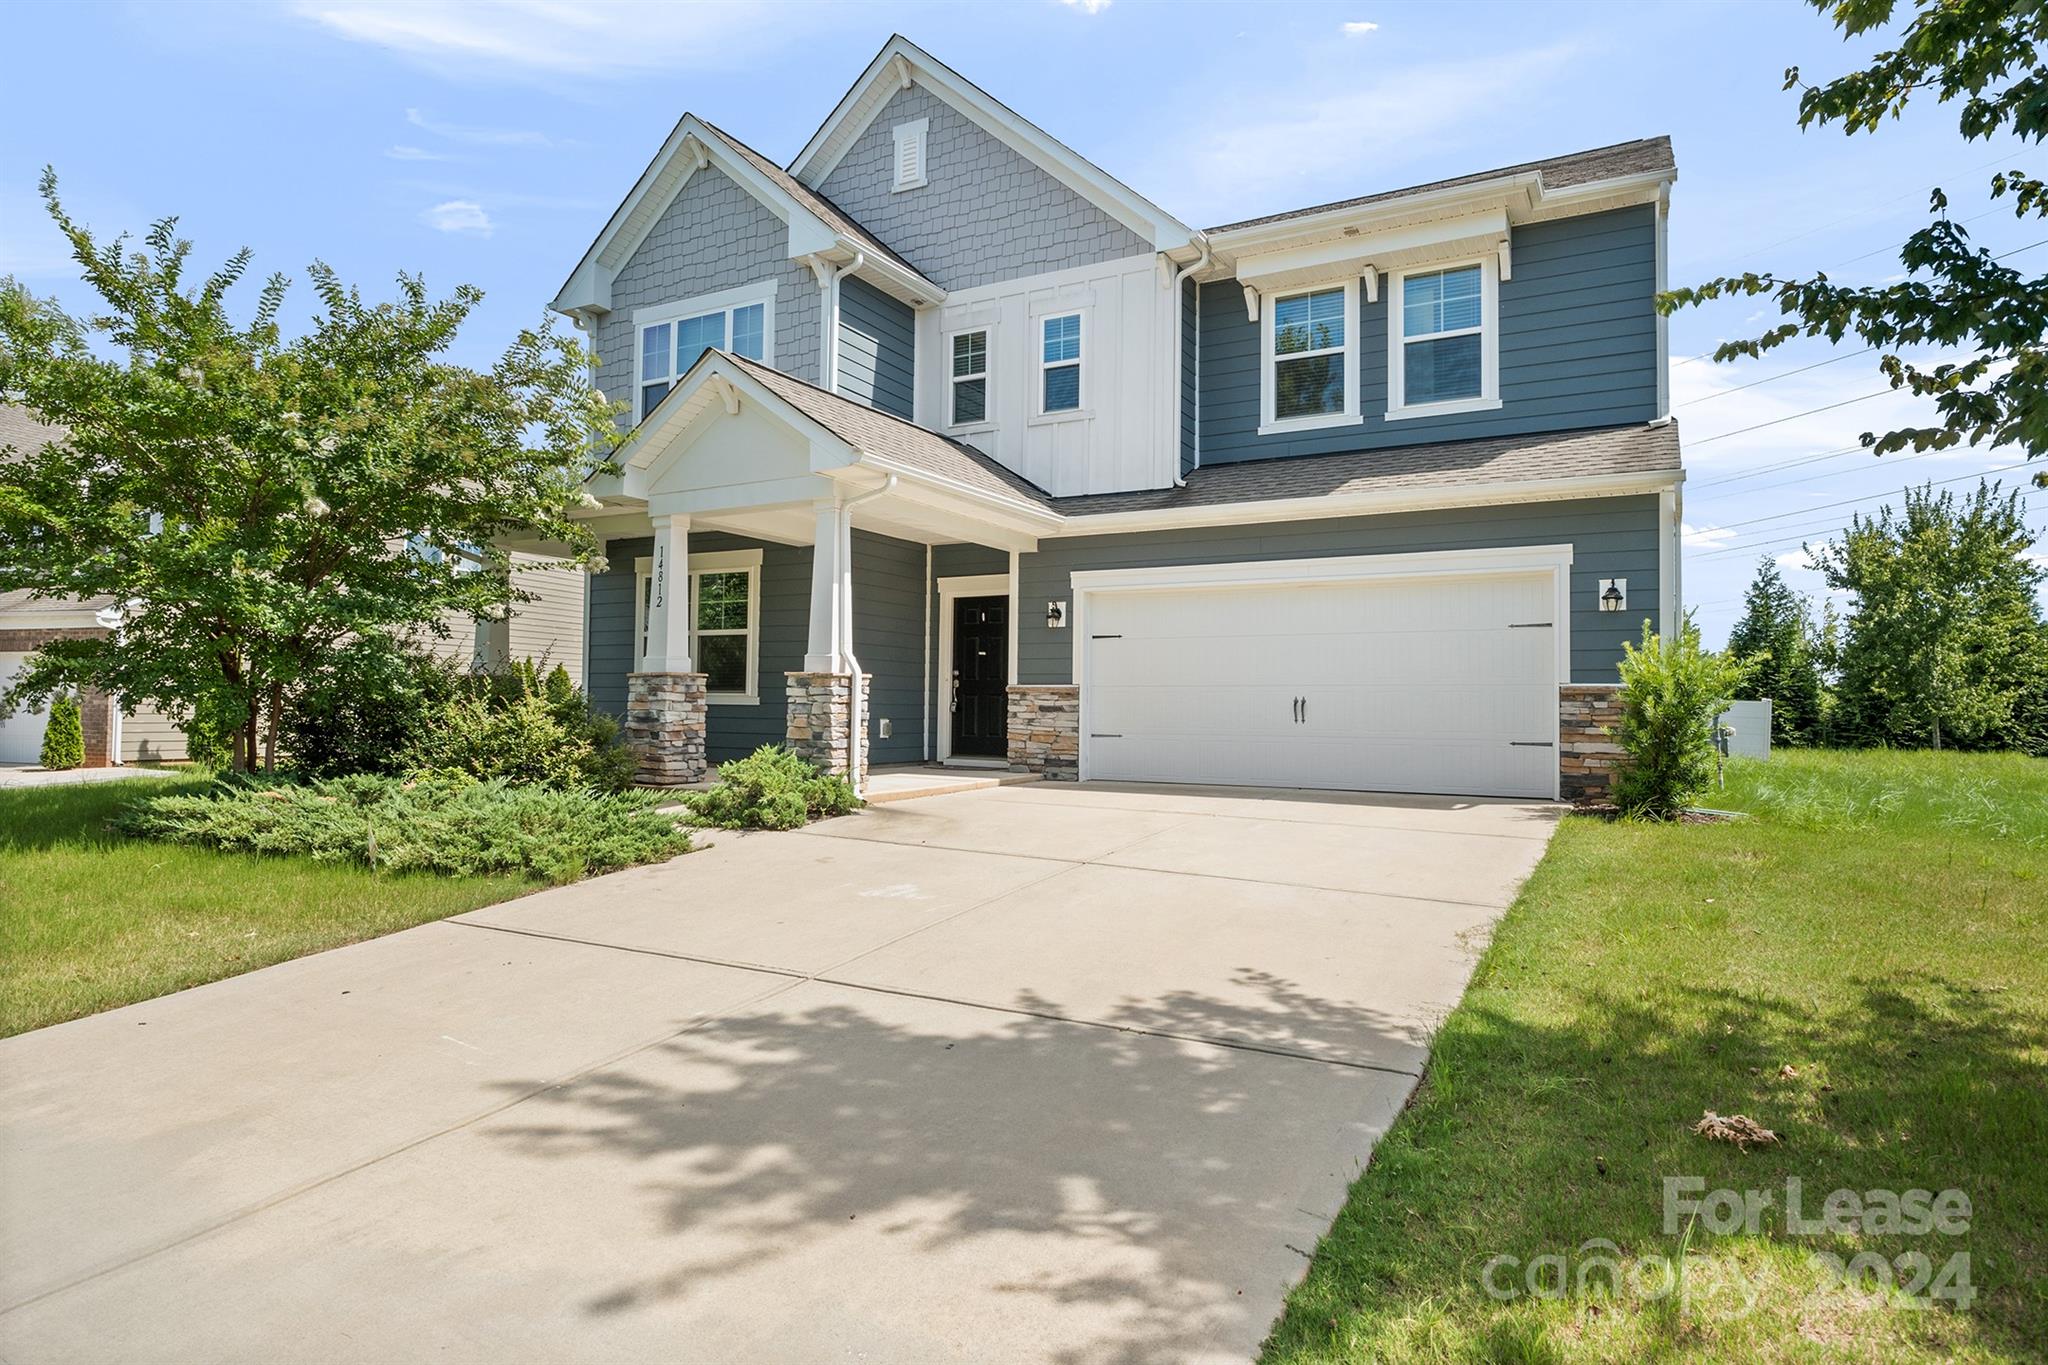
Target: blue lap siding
[[877, 348]]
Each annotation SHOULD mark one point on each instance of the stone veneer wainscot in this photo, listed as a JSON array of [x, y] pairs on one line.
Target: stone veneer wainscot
[[665, 717], [1587, 715], [1045, 730], [819, 705]]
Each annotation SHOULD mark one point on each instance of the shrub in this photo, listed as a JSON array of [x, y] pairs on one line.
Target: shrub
[[454, 827], [1670, 694], [772, 788], [63, 735], [365, 707]]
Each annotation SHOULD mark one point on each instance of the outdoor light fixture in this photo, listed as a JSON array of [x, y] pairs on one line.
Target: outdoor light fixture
[[1613, 594], [1055, 616]]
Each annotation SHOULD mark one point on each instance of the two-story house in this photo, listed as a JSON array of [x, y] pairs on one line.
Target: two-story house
[[1364, 495]]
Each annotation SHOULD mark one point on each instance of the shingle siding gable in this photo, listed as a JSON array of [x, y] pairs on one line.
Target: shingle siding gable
[[714, 236], [987, 213]]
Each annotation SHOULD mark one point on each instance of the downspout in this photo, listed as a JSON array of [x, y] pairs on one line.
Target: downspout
[[856, 717], [831, 286], [930, 683], [1180, 477]]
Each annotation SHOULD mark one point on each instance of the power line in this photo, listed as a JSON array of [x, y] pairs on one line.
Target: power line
[[1850, 502], [1837, 473], [1833, 359], [1784, 536], [1781, 464], [1776, 421]]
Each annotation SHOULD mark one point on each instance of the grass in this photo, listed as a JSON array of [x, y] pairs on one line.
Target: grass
[[89, 920], [1861, 966]]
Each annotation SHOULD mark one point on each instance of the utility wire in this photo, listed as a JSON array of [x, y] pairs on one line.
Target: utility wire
[[1763, 469], [1777, 421], [1850, 502], [1771, 379], [1837, 473], [1781, 537]]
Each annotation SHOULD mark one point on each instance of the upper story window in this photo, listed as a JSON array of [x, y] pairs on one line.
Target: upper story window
[[1310, 375], [672, 336], [909, 139], [968, 402], [1444, 341], [1060, 364]]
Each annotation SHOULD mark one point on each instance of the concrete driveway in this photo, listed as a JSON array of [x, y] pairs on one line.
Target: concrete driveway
[[1035, 1073]]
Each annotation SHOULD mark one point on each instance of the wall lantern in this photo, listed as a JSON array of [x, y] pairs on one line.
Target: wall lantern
[[1613, 594], [1055, 616]]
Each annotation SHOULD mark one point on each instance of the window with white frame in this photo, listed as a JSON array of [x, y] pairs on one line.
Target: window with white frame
[[1059, 369], [969, 400], [672, 336], [725, 622], [1310, 374], [909, 139], [1444, 340]]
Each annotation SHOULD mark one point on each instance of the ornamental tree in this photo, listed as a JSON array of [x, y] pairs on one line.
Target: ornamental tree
[[253, 500], [1990, 316], [1778, 638]]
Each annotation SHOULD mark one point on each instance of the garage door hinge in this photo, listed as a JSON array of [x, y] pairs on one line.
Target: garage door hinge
[[1097, 734], [1105, 637], [1530, 625], [1529, 744]]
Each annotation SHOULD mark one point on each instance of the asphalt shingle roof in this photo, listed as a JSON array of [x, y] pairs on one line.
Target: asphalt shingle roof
[[1633, 449], [1558, 172], [20, 429]]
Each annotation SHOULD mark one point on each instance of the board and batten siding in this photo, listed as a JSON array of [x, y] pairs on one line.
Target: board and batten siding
[[1190, 373], [712, 237], [985, 212], [1578, 348], [1125, 434], [1610, 538], [877, 348], [888, 576]]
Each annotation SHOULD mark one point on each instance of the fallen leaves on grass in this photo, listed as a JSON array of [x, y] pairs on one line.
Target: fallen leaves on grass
[[1740, 1129]]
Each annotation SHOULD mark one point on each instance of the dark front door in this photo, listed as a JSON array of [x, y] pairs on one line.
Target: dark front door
[[981, 673]]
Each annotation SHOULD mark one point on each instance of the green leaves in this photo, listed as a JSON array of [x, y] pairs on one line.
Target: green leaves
[[1671, 691]]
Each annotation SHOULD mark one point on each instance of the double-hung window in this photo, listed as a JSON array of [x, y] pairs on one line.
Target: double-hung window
[[1059, 370], [1310, 378], [968, 404], [673, 336], [725, 622], [1444, 341]]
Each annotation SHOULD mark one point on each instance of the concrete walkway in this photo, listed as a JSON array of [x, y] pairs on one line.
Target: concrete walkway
[[1028, 1073]]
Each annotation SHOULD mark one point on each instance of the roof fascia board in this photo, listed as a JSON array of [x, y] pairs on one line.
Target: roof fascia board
[[1329, 254], [1368, 504], [1364, 217], [855, 113]]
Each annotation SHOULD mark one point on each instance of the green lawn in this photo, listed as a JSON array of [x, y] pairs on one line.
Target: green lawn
[[89, 920], [1861, 966]]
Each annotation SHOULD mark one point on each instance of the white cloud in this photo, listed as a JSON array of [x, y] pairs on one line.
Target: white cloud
[[1285, 143], [1087, 6], [459, 215], [1703, 537], [1358, 28], [403, 153], [480, 136], [545, 40]]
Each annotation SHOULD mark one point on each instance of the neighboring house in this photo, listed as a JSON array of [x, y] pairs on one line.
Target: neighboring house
[[1365, 495], [549, 628]]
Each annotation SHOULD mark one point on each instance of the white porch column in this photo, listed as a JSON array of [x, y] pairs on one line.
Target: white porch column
[[831, 590], [668, 607]]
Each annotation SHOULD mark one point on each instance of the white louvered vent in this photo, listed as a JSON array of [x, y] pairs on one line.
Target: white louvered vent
[[909, 155]]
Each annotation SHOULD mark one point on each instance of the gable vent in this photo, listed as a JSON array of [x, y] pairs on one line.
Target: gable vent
[[909, 155]]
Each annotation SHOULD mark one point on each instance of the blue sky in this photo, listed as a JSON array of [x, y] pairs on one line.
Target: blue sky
[[486, 143]]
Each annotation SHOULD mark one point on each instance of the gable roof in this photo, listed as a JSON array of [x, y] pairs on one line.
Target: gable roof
[[816, 226], [900, 62], [1642, 157]]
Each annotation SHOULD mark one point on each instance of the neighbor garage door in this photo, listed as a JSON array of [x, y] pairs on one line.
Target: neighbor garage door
[[1414, 684], [21, 734]]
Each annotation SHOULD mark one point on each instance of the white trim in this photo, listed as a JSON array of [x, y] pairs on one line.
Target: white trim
[[950, 590], [1016, 582], [930, 680], [1663, 212], [718, 561], [902, 62], [1503, 560], [1365, 504], [909, 136], [1398, 408], [1670, 601], [726, 301], [1269, 359]]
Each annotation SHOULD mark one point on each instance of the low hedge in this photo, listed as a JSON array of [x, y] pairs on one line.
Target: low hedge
[[771, 788], [453, 827]]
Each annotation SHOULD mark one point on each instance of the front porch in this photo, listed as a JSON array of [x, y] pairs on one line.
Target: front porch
[[757, 561]]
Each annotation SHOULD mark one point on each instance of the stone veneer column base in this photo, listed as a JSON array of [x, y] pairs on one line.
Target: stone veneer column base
[[1045, 730], [665, 721], [820, 706], [1587, 715]]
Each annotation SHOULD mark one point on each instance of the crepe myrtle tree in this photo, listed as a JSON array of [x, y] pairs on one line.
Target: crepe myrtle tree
[[252, 500], [1992, 56]]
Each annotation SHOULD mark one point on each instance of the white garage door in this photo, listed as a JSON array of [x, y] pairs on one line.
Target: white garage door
[[1410, 684], [21, 734]]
